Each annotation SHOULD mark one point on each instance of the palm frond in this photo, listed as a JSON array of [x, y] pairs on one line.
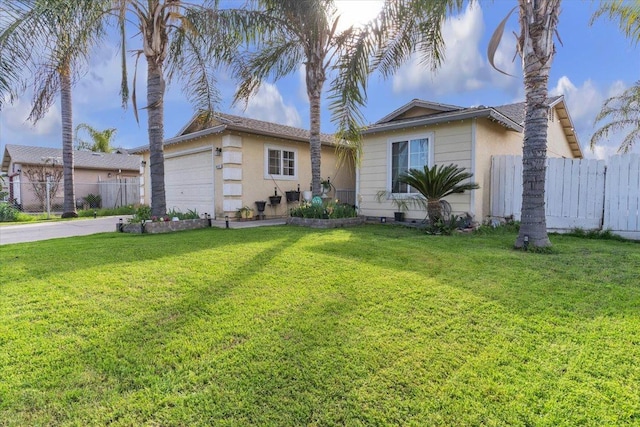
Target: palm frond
[[439, 182], [625, 12], [623, 115]]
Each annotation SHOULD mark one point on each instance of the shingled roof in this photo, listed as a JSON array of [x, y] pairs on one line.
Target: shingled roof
[[227, 122], [24, 154], [511, 116]]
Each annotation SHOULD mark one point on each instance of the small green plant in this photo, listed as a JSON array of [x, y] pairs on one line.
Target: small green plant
[[595, 234], [122, 210], [244, 212], [445, 226], [190, 214], [143, 213], [8, 213], [402, 202], [93, 200], [333, 210]]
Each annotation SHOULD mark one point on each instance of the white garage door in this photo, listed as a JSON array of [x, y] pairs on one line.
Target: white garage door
[[189, 181]]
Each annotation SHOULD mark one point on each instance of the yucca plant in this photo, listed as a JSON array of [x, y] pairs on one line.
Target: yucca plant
[[436, 183]]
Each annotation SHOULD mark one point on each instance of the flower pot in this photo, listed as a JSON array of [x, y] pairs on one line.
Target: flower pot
[[275, 200], [398, 216], [260, 204], [293, 196]]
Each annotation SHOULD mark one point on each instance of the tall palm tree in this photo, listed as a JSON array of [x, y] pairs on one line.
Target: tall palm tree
[[295, 32], [538, 22], [101, 139], [47, 42], [178, 39], [436, 183], [622, 111], [402, 28]]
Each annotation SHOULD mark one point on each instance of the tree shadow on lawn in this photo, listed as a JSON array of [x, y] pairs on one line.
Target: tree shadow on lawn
[[39, 260], [586, 278], [145, 352]]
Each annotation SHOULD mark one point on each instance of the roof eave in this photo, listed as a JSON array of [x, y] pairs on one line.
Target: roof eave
[[423, 121]]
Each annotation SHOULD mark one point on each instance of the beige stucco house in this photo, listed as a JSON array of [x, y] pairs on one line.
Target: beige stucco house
[[423, 132], [235, 161], [102, 174]]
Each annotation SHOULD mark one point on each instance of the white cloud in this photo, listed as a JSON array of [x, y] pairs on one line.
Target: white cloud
[[464, 67], [267, 104], [15, 129], [584, 103]]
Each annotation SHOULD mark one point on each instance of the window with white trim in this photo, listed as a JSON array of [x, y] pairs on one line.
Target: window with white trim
[[411, 153], [280, 163]]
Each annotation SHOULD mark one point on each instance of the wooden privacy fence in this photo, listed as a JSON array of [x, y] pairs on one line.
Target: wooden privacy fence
[[119, 192], [579, 193]]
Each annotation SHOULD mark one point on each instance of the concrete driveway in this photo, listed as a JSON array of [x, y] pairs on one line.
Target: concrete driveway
[[21, 233]]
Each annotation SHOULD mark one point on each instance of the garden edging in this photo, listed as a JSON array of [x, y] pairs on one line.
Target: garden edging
[[325, 223], [163, 226]]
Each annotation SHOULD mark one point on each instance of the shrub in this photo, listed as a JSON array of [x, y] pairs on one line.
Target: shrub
[[143, 213], [190, 214], [93, 200], [8, 213], [332, 210]]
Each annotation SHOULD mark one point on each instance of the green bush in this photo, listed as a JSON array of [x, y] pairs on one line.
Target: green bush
[[190, 214], [143, 213], [331, 211], [8, 213], [122, 210], [93, 200]]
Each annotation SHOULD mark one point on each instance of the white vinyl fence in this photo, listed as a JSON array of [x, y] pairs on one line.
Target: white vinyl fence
[[579, 193]]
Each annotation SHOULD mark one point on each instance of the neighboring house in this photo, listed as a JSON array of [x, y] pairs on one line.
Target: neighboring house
[[235, 161], [94, 173], [426, 133]]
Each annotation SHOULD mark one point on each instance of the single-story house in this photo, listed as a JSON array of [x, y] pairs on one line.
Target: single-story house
[[426, 133], [234, 162], [104, 174]]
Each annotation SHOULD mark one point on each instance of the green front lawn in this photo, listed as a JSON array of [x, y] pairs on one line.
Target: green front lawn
[[288, 326]]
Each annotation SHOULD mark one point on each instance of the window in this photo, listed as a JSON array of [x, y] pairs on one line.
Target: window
[[407, 154], [280, 163]]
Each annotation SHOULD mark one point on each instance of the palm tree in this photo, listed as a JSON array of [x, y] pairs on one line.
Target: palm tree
[[47, 42], [538, 23], [179, 40], [295, 32], [101, 140], [623, 110], [436, 183], [401, 28]]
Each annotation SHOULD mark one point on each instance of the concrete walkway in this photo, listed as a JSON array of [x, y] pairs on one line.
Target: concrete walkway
[[21, 233]]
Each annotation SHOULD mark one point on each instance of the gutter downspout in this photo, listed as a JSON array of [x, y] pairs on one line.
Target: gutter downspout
[[472, 199]]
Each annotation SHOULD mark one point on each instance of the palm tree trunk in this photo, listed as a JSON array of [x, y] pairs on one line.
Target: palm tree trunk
[[538, 24], [434, 210], [315, 76], [155, 109], [69, 204]]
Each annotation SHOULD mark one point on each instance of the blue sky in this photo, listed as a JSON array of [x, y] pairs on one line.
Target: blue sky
[[592, 63]]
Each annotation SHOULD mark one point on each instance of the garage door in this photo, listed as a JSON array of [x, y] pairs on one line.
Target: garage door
[[189, 181]]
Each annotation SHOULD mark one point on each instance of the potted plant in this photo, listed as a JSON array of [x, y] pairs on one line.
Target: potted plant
[[244, 213], [325, 186], [293, 195], [400, 201], [275, 199]]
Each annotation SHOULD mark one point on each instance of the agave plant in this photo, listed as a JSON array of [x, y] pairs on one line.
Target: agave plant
[[436, 183]]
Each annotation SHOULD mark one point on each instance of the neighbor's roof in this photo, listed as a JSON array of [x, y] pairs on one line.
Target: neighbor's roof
[[511, 116], [24, 154], [227, 122]]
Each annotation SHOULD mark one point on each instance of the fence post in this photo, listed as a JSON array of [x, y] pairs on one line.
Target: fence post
[[47, 190]]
